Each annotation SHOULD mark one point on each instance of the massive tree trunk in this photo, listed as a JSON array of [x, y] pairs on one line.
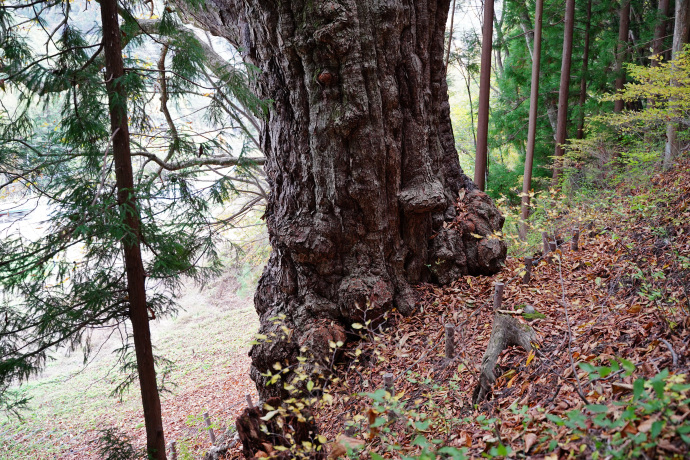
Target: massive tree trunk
[[362, 165]]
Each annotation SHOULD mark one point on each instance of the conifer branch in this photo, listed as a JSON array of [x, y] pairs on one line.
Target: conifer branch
[[212, 161]]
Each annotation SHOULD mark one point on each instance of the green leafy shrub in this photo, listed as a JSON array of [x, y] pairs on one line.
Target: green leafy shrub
[[638, 424]]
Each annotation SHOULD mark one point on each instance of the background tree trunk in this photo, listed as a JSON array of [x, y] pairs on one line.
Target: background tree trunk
[[585, 69], [450, 34], [526, 25], [136, 283], [621, 52], [532, 129], [681, 34], [660, 30], [561, 128], [362, 166], [484, 92]]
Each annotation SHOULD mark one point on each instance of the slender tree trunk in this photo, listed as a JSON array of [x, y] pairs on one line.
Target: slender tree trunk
[[136, 287], [621, 52], [532, 130], [660, 31], [498, 50], [561, 129], [469, 96], [681, 34], [480, 161], [526, 25], [585, 69], [450, 33], [659, 35], [362, 165]]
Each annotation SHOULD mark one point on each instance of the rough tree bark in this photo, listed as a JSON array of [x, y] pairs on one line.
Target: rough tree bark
[[136, 284], [362, 165]]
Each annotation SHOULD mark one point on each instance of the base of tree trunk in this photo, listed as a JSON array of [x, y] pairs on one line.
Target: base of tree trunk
[[303, 312], [506, 331], [286, 431]]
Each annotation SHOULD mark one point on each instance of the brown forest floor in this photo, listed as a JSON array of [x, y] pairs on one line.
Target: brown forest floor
[[639, 242], [626, 294]]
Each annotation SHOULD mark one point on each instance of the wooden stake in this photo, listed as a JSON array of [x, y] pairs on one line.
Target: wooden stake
[[552, 246], [388, 386], [173, 450], [249, 401], [211, 434], [388, 383], [350, 429], [450, 340], [576, 240], [545, 242], [498, 295], [528, 270]]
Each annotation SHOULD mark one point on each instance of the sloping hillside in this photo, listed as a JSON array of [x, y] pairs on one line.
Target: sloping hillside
[[609, 373]]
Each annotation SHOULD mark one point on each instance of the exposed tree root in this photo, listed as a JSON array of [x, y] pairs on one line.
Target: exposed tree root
[[506, 331]]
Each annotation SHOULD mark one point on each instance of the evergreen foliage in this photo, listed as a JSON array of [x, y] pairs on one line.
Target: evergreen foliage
[[511, 104], [60, 286]]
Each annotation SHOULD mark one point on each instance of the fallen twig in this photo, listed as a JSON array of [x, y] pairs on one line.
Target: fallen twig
[[673, 352], [570, 335]]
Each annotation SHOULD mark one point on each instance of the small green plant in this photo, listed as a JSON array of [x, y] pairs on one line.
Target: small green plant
[[386, 423], [115, 445], [637, 425]]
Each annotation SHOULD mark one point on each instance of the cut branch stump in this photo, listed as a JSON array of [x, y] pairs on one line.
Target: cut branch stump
[[545, 242], [553, 246], [388, 383]]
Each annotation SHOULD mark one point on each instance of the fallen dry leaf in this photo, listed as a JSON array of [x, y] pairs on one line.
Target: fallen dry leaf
[[530, 439]]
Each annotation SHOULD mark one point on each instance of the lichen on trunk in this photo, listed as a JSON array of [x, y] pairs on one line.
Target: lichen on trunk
[[364, 175]]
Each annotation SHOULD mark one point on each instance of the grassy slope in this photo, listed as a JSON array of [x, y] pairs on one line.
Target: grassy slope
[[209, 344]]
